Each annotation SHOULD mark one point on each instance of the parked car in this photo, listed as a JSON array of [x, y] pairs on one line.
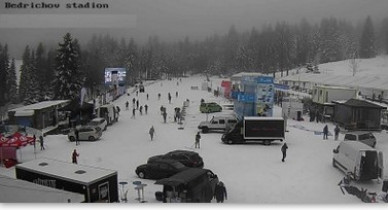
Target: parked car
[[363, 136], [87, 133], [99, 122], [218, 123], [159, 169], [187, 158], [210, 107]]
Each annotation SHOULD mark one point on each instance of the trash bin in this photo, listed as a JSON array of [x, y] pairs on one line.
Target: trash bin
[[159, 196], [385, 185]]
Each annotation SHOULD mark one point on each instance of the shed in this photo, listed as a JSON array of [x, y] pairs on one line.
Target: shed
[[358, 114], [39, 115], [96, 184]]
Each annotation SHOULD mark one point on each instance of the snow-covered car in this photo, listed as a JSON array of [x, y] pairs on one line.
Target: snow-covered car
[[187, 158], [85, 133], [98, 122], [159, 169], [362, 136]]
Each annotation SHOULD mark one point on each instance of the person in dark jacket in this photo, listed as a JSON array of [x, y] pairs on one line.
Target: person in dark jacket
[[41, 141], [325, 132], [146, 108], [336, 132], [284, 151], [220, 193], [74, 157], [197, 140]]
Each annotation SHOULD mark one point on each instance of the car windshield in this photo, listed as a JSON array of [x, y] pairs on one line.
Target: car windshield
[[177, 165]]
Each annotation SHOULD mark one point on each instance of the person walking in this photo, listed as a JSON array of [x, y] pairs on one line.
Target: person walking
[[197, 140], [176, 94], [169, 98], [165, 116], [158, 96], [133, 102], [126, 105], [284, 151], [141, 110], [325, 132], [133, 112], [41, 141], [336, 132], [74, 157], [147, 96], [146, 108], [76, 136], [137, 104], [151, 132], [220, 192]]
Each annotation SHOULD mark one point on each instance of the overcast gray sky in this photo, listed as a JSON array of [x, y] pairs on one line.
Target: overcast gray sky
[[172, 19]]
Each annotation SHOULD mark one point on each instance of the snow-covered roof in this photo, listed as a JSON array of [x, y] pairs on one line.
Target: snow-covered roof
[[40, 105], [67, 170], [20, 191]]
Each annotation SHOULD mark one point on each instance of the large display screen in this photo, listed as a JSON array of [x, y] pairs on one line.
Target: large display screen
[[115, 76]]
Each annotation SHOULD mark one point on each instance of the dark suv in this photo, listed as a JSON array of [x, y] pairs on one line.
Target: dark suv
[[187, 158], [159, 169]]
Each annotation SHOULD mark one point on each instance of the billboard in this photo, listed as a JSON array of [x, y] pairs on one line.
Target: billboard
[[265, 96], [115, 76]]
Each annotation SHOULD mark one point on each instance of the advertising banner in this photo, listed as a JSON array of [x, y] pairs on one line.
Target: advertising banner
[[265, 96]]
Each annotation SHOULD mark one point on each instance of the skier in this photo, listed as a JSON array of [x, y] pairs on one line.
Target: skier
[[74, 156], [41, 143], [137, 104], [126, 105], [336, 132], [220, 192], [165, 116], [197, 140], [284, 151], [151, 132], [146, 108], [325, 132]]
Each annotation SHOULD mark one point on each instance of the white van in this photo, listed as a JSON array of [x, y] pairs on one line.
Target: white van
[[109, 112], [218, 123], [358, 159]]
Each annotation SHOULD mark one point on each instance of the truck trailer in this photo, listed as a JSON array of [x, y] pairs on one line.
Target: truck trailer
[[96, 184], [264, 129]]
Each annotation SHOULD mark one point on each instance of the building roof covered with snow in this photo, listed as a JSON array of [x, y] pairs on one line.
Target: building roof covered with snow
[[68, 171], [20, 191]]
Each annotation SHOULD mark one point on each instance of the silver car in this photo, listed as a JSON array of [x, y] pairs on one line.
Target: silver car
[[87, 133], [363, 136]]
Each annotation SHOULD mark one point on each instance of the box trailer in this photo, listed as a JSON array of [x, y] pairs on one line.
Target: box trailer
[[96, 184], [265, 129]]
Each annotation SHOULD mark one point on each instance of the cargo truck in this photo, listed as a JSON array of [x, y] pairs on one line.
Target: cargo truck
[[264, 129]]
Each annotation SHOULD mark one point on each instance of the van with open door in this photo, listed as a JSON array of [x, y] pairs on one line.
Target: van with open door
[[358, 159]]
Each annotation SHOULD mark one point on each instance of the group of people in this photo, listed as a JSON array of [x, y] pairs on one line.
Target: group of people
[[326, 132]]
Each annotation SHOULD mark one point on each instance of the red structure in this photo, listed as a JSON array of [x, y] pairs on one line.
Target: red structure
[[9, 146], [226, 86]]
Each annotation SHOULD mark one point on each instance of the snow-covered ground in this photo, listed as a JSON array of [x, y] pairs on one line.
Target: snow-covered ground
[[252, 173]]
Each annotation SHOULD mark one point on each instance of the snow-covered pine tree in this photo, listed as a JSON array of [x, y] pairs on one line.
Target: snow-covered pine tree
[[11, 82], [4, 66], [24, 74], [68, 81], [367, 41], [33, 91]]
